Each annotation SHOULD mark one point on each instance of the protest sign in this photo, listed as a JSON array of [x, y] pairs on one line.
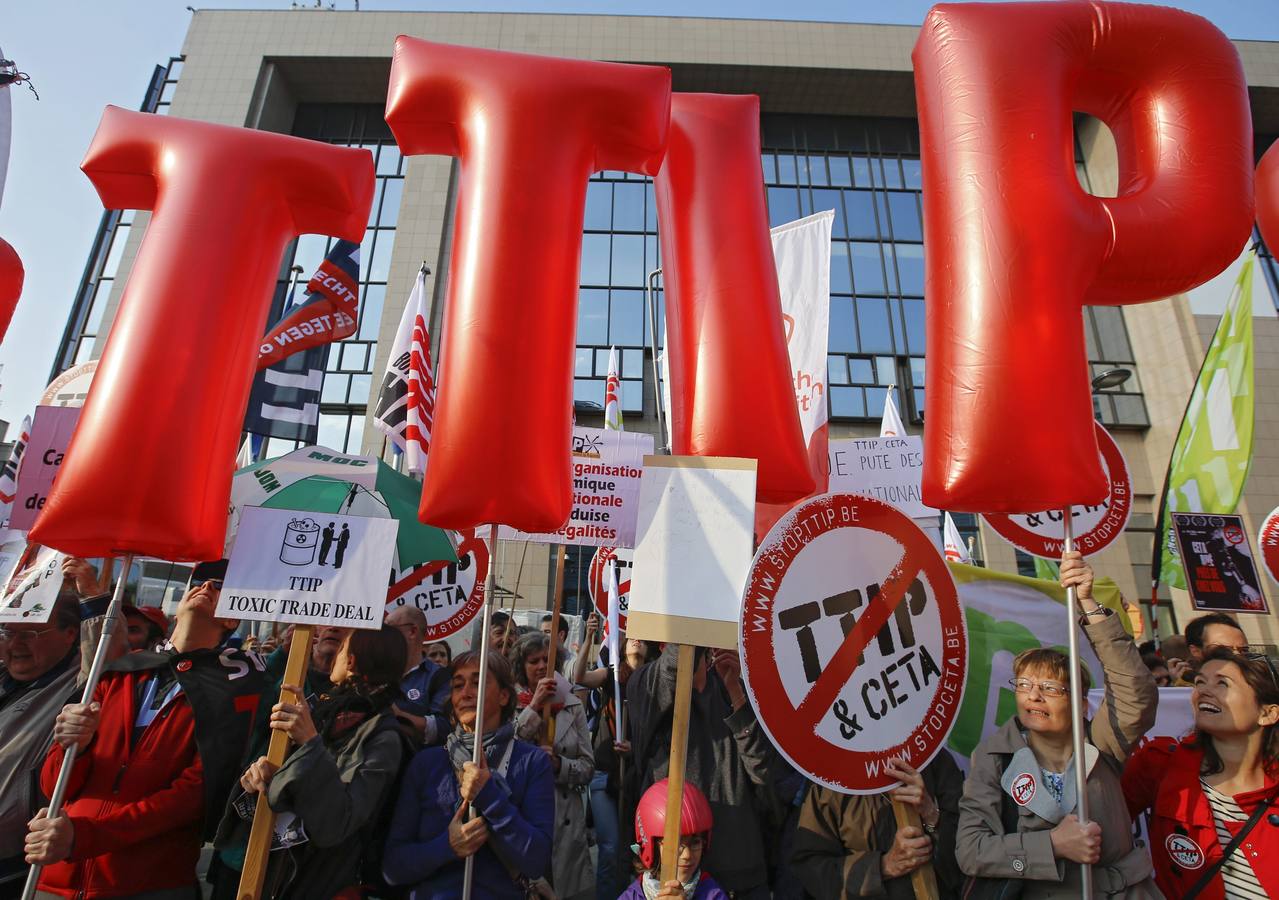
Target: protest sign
[[30, 593], [854, 649], [1268, 543], [597, 581], [1221, 573], [449, 594], [51, 431], [1095, 527], [71, 388], [886, 468], [1006, 614], [607, 466], [13, 544], [693, 549], [308, 568]]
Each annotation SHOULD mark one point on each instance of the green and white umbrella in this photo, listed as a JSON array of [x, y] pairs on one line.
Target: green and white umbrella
[[320, 480]]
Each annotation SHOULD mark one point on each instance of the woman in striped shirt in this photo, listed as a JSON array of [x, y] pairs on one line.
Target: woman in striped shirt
[[1201, 790]]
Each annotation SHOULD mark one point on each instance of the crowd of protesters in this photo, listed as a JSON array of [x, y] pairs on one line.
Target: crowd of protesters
[[379, 795]]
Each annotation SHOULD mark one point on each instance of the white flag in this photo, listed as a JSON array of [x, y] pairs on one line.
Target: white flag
[[611, 638], [246, 457], [891, 426], [406, 402], [954, 547], [9, 472], [801, 250], [613, 395]]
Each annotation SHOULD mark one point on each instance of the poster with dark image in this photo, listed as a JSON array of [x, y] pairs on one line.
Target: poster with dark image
[[1221, 571]]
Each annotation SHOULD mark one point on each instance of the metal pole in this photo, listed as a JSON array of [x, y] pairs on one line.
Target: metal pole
[[109, 624], [468, 878], [1077, 705], [650, 301]]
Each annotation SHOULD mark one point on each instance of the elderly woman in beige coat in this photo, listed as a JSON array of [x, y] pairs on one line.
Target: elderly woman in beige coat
[[1018, 817], [545, 696]]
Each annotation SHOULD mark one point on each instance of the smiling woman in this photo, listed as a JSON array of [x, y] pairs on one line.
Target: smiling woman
[[1018, 817], [1207, 793]]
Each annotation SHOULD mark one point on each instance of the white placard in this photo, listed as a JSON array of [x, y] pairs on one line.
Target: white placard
[[30, 594], [693, 549], [886, 468], [607, 466], [308, 568]]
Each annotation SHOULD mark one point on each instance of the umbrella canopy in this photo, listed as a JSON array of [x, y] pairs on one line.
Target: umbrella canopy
[[317, 479]]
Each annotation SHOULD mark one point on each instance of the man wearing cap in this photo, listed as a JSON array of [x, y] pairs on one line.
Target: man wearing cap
[[146, 625], [41, 664], [157, 751]]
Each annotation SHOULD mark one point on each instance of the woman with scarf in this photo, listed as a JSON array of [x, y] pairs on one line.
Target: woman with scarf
[[544, 697], [502, 811], [328, 793]]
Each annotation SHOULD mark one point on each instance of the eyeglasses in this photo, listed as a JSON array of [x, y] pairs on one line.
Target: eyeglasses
[[215, 583], [9, 634], [1047, 688], [1242, 650]]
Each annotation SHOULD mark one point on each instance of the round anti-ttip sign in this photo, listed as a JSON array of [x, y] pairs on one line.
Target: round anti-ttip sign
[[597, 581], [1095, 527], [449, 593], [853, 643], [1268, 541]]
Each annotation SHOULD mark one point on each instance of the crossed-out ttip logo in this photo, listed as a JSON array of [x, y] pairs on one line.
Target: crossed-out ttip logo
[[1184, 851], [1023, 789]]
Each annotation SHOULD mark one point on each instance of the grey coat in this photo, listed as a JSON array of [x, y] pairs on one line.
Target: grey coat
[[26, 732], [983, 849], [337, 792], [572, 873]]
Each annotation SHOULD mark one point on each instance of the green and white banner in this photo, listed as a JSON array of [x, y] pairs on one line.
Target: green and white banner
[[1005, 615], [1210, 459]]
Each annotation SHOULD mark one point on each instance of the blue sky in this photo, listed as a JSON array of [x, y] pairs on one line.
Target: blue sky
[[84, 54]]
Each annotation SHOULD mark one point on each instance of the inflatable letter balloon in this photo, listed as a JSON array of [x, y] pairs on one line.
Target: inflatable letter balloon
[[149, 468], [11, 277], [529, 131], [1268, 197], [730, 369], [1015, 246]]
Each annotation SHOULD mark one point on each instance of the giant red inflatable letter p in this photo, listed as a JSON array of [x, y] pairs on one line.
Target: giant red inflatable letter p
[[1015, 246], [149, 468], [529, 130]]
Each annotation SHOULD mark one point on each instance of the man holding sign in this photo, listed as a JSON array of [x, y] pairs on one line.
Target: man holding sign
[[157, 751], [849, 845]]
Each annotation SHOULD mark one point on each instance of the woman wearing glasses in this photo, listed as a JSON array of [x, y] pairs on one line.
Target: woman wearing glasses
[[1214, 791], [1018, 818]]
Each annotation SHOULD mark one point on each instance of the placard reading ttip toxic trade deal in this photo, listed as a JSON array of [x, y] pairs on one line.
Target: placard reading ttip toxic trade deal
[[308, 568], [853, 642], [1095, 527]]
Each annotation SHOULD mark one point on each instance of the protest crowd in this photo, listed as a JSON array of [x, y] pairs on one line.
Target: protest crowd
[[379, 796]]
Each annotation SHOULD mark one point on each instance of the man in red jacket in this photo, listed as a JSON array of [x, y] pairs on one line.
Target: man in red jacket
[[156, 752]]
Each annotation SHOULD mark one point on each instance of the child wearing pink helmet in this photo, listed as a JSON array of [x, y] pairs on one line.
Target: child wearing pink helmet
[[695, 835]]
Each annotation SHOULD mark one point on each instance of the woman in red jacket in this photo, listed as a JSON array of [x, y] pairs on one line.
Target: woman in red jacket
[[1201, 791]]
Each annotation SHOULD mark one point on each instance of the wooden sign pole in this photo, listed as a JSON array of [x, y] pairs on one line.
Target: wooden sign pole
[[255, 855], [552, 651], [923, 879], [679, 754]]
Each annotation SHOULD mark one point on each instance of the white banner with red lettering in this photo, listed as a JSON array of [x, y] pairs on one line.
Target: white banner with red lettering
[[801, 250]]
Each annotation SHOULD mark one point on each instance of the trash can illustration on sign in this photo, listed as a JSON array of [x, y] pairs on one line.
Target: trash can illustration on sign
[[300, 540]]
